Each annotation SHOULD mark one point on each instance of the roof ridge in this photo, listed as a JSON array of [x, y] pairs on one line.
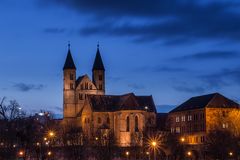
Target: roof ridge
[[214, 96]]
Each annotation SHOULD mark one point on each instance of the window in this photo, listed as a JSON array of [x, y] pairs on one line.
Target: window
[[172, 130], [99, 120], [183, 118], [100, 86], [71, 77], [225, 125], [71, 86], [177, 129], [90, 86], [108, 120], [86, 85], [100, 77], [202, 139], [177, 119], [127, 124], [189, 117], [81, 86], [80, 96], [136, 124]]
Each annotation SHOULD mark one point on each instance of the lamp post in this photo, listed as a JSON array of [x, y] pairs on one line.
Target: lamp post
[[148, 154], [154, 145], [127, 154]]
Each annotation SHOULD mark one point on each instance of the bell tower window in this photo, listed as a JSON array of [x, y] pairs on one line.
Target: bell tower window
[[100, 77], [71, 86], [71, 76]]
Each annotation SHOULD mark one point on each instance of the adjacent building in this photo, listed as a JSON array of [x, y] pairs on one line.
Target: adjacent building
[[193, 119]]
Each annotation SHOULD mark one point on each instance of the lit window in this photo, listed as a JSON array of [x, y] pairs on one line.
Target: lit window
[[177, 129], [183, 118], [225, 125], [172, 130], [189, 117], [177, 119]]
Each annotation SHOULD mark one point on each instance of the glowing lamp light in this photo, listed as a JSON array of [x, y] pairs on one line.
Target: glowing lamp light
[[182, 139], [51, 134], [147, 153], [49, 153], [154, 143], [189, 153], [96, 138], [127, 153], [21, 153], [230, 153]]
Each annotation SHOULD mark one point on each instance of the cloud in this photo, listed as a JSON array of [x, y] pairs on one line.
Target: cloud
[[224, 77], [190, 89], [161, 69], [23, 87], [54, 30], [167, 21], [208, 55]]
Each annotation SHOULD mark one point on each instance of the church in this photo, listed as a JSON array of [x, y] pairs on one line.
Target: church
[[86, 104]]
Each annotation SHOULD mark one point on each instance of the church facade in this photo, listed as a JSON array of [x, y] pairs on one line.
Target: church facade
[[86, 105]]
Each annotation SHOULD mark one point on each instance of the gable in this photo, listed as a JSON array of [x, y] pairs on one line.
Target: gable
[[82, 81]]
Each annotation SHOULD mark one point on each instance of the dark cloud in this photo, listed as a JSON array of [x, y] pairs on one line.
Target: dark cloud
[[27, 87], [54, 30], [224, 77], [168, 21], [161, 69], [208, 55], [190, 89]]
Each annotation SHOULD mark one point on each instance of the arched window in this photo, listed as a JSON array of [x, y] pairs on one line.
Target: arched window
[[127, 124], [99, 120], [136, 124]]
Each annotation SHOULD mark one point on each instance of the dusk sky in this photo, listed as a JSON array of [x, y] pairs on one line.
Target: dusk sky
[[171, 49]]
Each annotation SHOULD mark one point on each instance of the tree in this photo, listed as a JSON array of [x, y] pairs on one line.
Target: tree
[[220, 143]]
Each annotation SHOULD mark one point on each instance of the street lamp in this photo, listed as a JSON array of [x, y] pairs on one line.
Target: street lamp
[[189, 154], [127, 154], [51, 134], [182, 139], [154, 145], [148, 154]]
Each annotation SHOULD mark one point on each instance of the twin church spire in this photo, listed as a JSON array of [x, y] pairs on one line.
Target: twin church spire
[[97, 65]]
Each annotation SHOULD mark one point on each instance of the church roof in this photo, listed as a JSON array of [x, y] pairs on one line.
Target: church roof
[[98, 63], [214, 100], [69, 63], [111, 103]]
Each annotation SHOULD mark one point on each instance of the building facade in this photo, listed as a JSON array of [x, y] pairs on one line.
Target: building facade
[[196, 117], [86, 105]]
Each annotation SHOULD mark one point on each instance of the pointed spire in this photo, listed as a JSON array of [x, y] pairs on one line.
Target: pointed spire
[[98, 63], [69, 63]]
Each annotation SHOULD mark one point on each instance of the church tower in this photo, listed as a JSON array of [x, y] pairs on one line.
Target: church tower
[[98, 73], [69, 82]]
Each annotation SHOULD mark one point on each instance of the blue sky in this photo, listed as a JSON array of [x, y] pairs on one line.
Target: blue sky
[[171, 49]]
